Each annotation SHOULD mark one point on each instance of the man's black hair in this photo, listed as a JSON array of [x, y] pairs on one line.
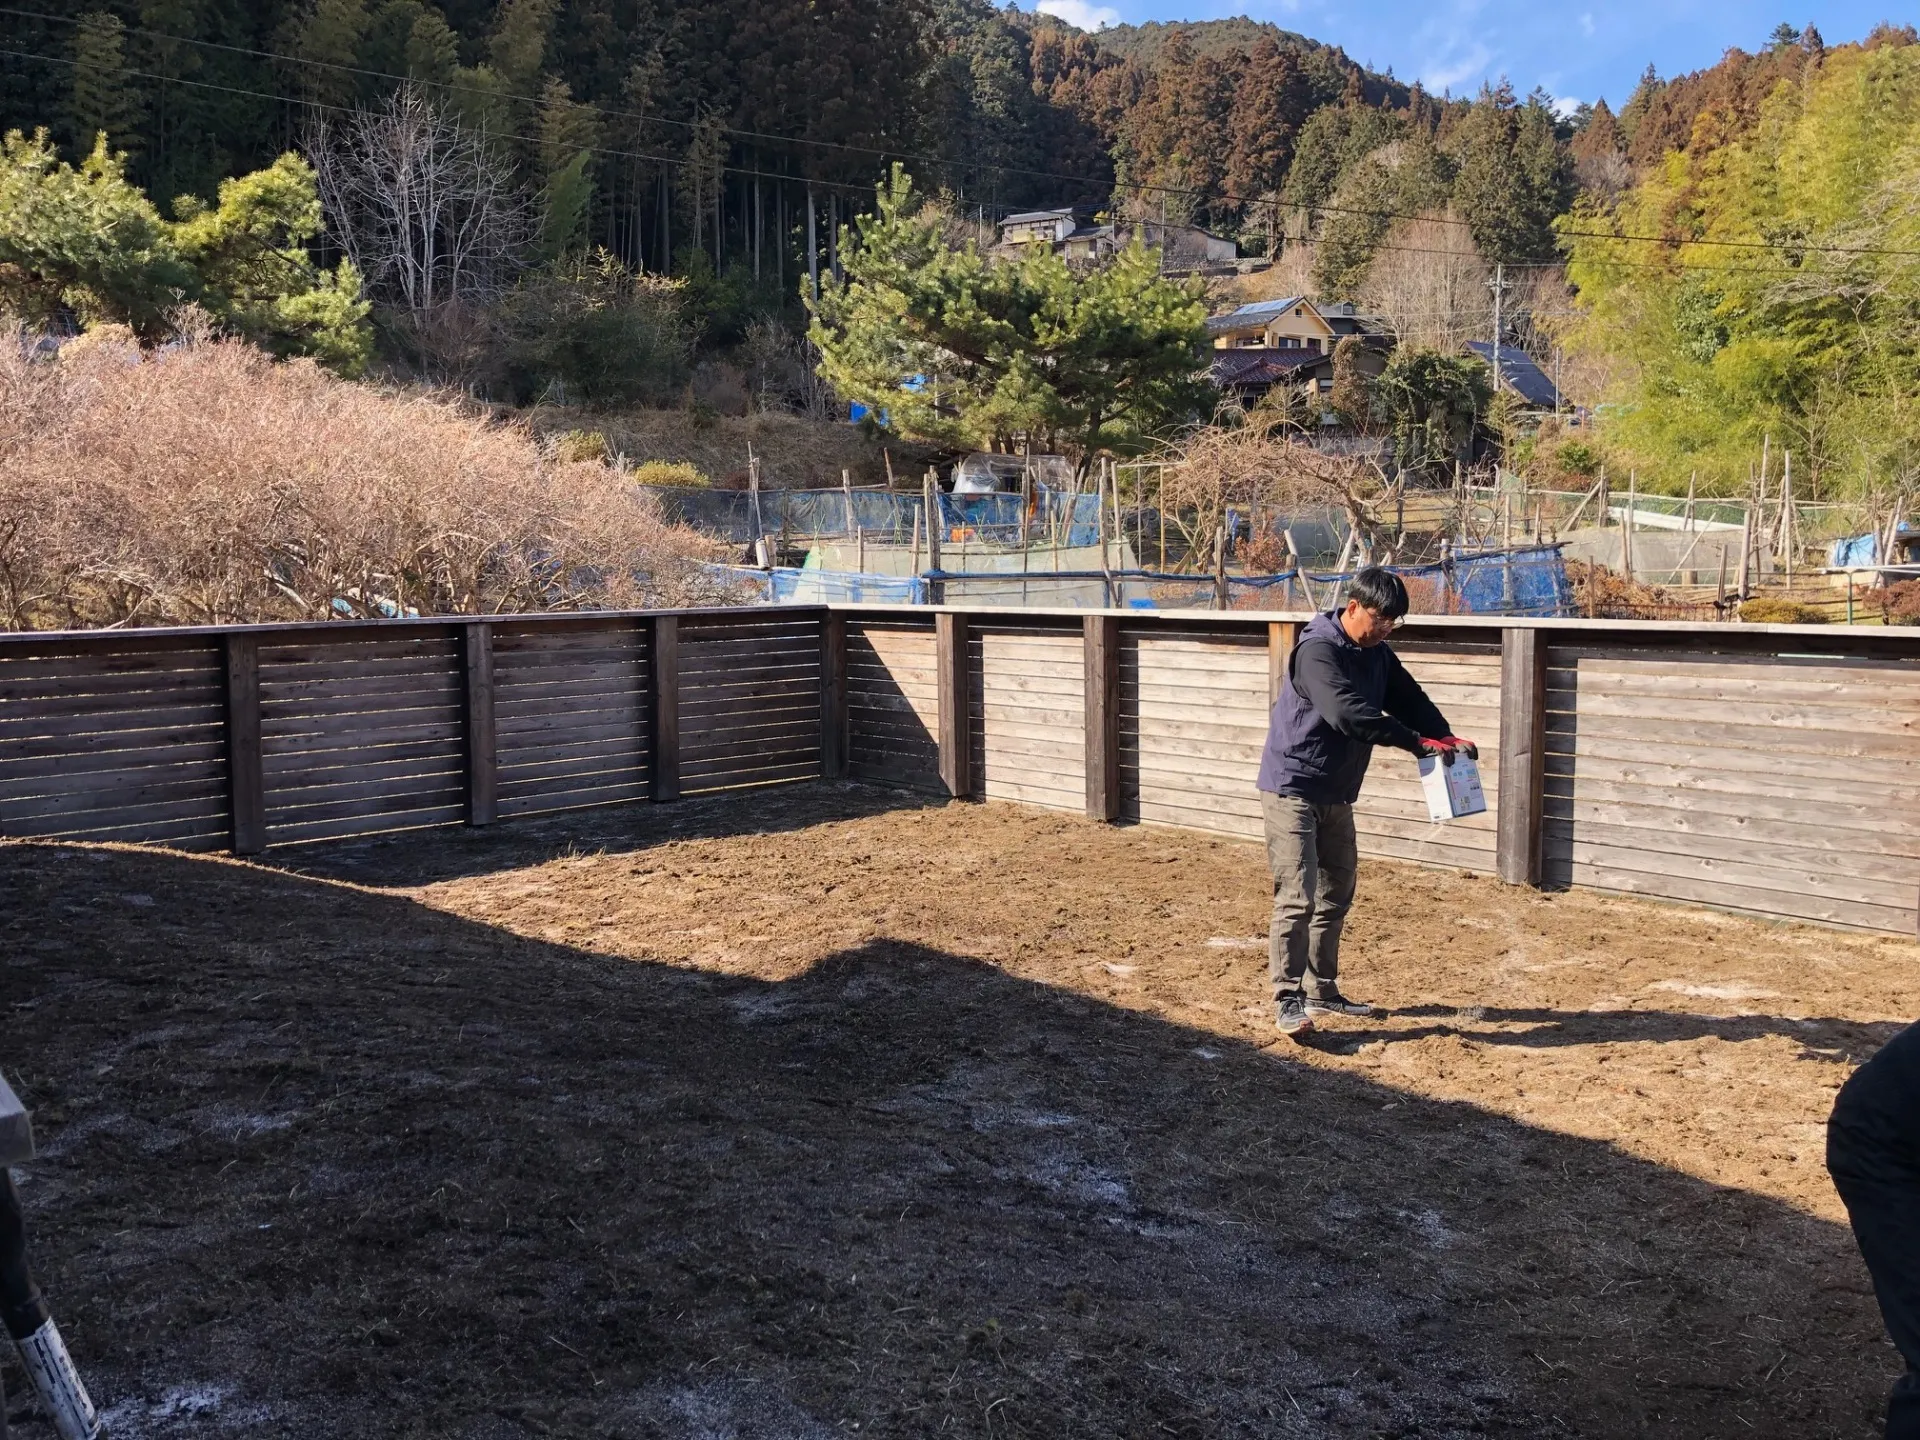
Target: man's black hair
[[1381, 591]]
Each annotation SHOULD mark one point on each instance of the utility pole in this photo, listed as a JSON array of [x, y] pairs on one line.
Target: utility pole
[[1499, 287], [813, 246]]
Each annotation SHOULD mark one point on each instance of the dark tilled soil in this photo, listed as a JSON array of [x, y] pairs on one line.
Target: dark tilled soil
[[812, 1112]]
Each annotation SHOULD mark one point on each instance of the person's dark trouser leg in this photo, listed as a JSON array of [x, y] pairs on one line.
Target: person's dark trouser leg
[[22, 1310], [1339, 856], [1873, 1154], [1293, 860]]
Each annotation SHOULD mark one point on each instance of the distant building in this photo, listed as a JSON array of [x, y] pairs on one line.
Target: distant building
[[1520, 376], [1290, 324], [1184, 249], [1047, 227], [1289, 342]]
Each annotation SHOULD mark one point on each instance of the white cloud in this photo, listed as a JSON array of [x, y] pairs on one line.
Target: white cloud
[[1443, 73], [1565, 105], [1586, 24], [1080, 14]]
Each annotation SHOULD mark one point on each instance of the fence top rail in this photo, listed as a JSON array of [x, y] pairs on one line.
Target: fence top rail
[[1717, 632], [1713, 634], [364, 629]]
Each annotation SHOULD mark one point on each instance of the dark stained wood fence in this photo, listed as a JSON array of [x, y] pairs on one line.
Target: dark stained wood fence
[[1768, 770]]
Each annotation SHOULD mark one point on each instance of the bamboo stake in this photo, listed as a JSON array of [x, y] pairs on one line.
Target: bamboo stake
[[1746, 550], [1786, 514], [1626, 524]]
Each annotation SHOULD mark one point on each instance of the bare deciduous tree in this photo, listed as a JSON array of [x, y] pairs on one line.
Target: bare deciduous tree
[[431, 213], [1429, 284], [1265, 463]]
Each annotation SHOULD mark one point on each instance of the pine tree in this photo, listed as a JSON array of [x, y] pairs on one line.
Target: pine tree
[[103, 101]]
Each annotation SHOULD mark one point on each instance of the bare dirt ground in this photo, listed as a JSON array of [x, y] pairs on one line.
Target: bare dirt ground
[[813, 1112]]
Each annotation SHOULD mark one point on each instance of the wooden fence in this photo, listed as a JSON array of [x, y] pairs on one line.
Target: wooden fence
[[1761, 769]]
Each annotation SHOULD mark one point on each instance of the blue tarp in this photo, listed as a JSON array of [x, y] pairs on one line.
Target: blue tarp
[[1861, 549], [1532, 581]]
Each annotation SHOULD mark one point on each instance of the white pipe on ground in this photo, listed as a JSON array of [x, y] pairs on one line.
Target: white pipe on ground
[[58, 1384]]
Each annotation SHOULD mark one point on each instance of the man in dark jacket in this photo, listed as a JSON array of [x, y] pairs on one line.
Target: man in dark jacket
[[1873, 1154], [1345, 692]]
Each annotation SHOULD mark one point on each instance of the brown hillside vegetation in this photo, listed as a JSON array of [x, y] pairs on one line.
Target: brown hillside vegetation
[[206, 483]]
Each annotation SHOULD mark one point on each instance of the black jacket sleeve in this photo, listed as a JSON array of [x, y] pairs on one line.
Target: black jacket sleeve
[[1318, 674], [1407, 701]]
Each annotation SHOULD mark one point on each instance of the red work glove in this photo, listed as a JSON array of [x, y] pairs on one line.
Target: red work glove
[[1440, 749], [1460, 742]]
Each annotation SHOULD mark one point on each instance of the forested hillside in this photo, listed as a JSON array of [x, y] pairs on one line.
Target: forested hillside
[[1728, 255], [682, 105], [1746, 256]]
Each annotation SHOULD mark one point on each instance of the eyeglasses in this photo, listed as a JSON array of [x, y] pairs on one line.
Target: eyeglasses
[[1393, 624]]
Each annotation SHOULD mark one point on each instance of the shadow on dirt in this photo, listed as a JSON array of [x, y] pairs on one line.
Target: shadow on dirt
[[320, 1162]]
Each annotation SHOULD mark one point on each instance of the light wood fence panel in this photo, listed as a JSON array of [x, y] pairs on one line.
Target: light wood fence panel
[[1777, 785], [1027, 707], [1463, 679], [1193, 720], [893, 704], [749, 700], [571, 715], [362, 735], [115, 738]]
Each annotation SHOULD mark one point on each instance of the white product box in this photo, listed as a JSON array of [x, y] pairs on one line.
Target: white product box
[[1452, 790]]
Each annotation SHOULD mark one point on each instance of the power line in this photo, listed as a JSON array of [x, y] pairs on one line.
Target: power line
[[1189, 192], [842, 185]]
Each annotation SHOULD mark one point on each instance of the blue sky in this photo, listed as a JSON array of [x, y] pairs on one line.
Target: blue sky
[[1576, 49]]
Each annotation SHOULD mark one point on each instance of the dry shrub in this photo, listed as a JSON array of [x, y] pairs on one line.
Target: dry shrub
[[1773, 610], [1607, 594], [1898, 603], [206, 484], [795, 453]]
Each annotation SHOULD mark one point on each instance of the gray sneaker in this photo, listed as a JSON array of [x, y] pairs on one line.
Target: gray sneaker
[[1338, 1004], [1293, 1017]]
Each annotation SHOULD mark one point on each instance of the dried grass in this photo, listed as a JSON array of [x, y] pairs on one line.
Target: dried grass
[[795, 452], [207, 484]]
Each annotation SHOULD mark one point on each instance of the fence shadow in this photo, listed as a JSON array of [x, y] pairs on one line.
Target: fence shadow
[[323, 1161]]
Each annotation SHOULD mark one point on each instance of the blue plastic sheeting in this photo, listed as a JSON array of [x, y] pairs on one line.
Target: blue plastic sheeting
[[1855, 550], [729, 514], [1863, 549], [1512, 582], [787, 585], [1532, 581]]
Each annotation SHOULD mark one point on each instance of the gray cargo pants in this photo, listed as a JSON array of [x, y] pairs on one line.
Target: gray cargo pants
[[1314, 858]]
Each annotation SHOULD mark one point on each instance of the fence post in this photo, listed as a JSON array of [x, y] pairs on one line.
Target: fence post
[[956, 748], [664, 693], [1523, 753], [246, 781], [1100, 644], [1282, 635], [483, 756], [833, 695]]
